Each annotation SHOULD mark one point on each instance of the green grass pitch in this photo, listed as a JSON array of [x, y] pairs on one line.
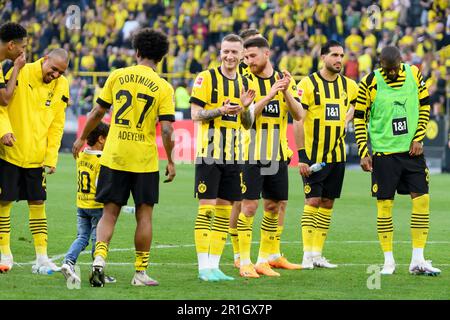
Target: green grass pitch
[[352, 243]]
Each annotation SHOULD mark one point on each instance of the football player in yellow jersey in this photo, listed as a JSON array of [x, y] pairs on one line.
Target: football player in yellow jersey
[[276, 259], [243, 70], [31, 127], [219, 97], [89, 211], [393, 106], [13, 41], [265, 154], [129, 163], [328, 99]]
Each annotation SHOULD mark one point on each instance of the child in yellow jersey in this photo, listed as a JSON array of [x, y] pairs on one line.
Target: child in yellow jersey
[[89, 211]]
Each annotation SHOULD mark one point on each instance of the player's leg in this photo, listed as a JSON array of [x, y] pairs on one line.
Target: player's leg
[[145, 191], [416, 179], [6, 261], [34, 191], [235, 210], [268, 233], [252, 185], [332, 187], [276, 187], [113, 189], [219, 232], [228, 192], [9, 186], [276, 259], [385, 178], [207, 178]]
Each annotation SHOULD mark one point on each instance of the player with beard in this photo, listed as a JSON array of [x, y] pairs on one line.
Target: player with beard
[[265, 154], [328, 99]]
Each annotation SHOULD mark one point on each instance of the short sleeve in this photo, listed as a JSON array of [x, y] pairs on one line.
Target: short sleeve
[[305, 93], [166, 111], [105, 98], [201, 90]]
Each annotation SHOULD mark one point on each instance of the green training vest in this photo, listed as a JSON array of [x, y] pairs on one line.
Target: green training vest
[[394, 115]]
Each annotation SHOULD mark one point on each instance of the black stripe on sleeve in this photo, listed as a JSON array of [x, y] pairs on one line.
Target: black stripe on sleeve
[[103, 103], [167, 117], [2, 85], [425, 101], [197, 102], [65, 99], [305, 106], [359, 114]]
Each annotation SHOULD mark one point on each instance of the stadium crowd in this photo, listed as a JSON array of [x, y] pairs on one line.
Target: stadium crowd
[[100, 40]]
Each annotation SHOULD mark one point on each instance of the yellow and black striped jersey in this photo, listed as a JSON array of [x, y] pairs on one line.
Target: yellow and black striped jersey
[[326, 103], [366, 96], [244, 69], [267, 139], [88, 168], [139, 97], [219, 138]]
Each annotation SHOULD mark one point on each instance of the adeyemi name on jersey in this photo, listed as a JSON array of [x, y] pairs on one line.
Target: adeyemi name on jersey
[[131, 136], [140, 80]]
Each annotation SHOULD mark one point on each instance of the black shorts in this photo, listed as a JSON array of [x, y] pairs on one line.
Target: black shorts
[[257, 179], [17, 183], [326, 183], [115, 186], [218, 181], [398, 172]]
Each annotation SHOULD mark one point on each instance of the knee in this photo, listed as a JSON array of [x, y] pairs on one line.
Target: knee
[[271, 206], [313, 202], [326, 203], [249, 207]]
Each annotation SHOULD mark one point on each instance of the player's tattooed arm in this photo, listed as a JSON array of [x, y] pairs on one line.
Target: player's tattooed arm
[[200, 114]]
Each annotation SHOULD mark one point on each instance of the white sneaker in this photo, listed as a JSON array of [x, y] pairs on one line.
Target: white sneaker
[[6, 263], [307, 263], [388, 268], [322, 262], [142, 279], [423, 267], [68, 271], [45, 266]]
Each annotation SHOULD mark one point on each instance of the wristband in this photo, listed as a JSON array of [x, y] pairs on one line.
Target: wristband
[[302, 157]]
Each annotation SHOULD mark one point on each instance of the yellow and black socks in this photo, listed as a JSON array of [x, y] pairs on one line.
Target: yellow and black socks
[[5, 229], [219, 233], [309, 225], [323, 220], [38, 228], [420, 220], [101, 249], [141, 262], [245, 227], [234, 241], [385, 228], [268, 236], [276, 249], [202, 234]]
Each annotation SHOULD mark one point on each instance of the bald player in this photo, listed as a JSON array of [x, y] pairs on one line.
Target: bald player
[[31, 128]]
